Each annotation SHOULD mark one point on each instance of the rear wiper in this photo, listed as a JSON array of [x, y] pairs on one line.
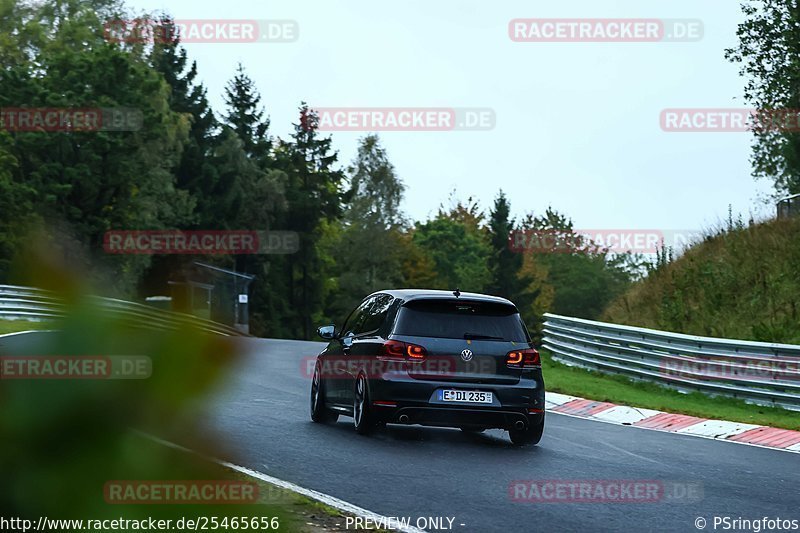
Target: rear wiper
[[478, 336]]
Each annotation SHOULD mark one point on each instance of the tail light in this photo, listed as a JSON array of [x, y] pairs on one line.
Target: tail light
[[528, 358], [393, 349], [414, 351], [403, 350]]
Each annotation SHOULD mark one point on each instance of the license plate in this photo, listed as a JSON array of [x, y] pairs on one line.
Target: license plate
[[465, 396]]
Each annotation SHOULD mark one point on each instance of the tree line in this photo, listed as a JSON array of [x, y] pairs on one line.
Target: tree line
[[192, 167]]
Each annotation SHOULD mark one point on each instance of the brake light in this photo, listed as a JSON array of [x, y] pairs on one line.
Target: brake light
[[415, 352], [403, 350], [394, 349], [528, 358], [514, 358], [531, 358]]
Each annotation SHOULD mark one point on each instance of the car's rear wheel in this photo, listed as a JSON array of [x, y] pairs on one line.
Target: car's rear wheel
[[363, 417], [529, 436], [320, 413]]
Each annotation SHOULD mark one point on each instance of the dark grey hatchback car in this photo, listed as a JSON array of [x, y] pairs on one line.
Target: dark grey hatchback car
[[433, 358]]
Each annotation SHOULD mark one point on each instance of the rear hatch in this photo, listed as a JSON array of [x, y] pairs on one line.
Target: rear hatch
[[464, 341]]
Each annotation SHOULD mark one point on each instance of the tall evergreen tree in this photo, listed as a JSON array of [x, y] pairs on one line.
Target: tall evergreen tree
[[194, 172], [504, 264], [513, 275], [252, 190], [245, 116], [314, 196], [249, 191]]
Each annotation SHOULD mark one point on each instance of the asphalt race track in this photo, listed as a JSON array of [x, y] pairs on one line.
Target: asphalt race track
[[262, 409]]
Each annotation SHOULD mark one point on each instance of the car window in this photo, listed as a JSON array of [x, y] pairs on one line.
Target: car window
[[460, 320], [353, 323], [375, 313]]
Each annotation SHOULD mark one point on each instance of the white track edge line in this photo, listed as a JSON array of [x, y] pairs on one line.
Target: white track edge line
[[674, 433], [321, 497], [22, 332]]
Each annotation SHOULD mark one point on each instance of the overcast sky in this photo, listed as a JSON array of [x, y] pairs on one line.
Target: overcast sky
[[577, 124]]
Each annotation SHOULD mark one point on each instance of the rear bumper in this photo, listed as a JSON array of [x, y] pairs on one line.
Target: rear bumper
[[461, 417], [414, 402]]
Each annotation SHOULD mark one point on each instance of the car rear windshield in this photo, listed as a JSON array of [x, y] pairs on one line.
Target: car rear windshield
[[461, 320]]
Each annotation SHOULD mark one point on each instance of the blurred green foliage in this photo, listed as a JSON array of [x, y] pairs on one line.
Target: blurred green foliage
[[62, 440]]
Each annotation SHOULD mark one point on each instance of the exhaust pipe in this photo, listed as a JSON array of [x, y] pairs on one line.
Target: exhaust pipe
[[519, 425], [403, 419]]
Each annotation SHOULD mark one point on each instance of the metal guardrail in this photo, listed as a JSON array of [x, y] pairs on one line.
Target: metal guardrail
[[757, 372], [789, 206], [28, 303]]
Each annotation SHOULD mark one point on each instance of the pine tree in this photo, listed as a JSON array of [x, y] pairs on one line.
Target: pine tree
[[194, 172], [314, 195], [504, 264], [245, 116]]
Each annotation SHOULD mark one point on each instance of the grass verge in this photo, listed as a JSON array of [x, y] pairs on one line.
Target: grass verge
[[303, 514], [14, 326], [297, 513], [622, 390]]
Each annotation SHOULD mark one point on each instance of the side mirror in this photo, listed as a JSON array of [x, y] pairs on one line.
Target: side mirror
[[327, 332]]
